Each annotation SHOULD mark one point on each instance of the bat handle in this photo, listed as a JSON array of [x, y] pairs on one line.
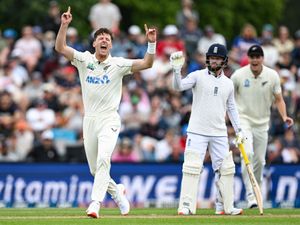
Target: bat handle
[[242, 149]]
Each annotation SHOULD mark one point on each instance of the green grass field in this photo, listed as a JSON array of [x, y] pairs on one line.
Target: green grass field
[[76, 216]]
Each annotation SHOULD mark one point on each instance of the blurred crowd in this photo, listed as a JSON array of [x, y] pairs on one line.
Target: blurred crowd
[[40, 97]]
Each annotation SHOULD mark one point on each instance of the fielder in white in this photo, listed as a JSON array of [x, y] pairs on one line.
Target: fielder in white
[[256, 88], [101, 82], [213, 96]]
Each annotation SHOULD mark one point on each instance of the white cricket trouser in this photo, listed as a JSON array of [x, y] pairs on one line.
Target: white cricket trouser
[[218, 147], [100, 135], [255, 147]]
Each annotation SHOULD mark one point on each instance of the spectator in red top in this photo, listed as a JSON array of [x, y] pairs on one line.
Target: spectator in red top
[[171, 42]]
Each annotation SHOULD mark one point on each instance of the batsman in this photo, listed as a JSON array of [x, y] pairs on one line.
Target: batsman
[[213, 96]]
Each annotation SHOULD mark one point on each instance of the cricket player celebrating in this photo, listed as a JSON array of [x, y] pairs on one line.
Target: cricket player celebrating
[[256, 87], [101, 82], [213, 96]]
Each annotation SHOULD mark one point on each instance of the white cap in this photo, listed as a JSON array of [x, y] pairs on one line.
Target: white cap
[[170, 30], [285, 73], [134, 30], [72, 31], [47, 134], [49, 87]]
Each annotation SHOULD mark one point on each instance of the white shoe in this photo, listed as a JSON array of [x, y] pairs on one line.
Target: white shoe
[[93, 209], [251, 202], [184, 211], [121, 200], [234, 212], [219, 209]]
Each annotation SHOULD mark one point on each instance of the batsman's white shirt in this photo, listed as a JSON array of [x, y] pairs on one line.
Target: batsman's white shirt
[[101, 83], [212, 97], [254, 96]]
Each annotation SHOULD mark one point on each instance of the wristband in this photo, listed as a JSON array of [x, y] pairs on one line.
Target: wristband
[[151, 48]]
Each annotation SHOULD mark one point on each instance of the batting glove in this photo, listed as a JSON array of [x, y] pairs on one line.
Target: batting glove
[[239, 139], [177, 60]]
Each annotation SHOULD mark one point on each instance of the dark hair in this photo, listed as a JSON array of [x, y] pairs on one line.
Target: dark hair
[[103, 31]]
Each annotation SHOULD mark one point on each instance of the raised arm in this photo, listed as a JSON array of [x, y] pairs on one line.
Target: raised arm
[[60, 44], [177, 61], [147, 61]]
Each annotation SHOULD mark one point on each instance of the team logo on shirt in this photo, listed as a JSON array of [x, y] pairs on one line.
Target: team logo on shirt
[[189, 142], [106, 67], [264, 83], [91, 66], [247, 83], [216, 89], [97, 80]]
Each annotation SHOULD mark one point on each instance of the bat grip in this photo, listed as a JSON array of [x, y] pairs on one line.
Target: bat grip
[[242, 149]]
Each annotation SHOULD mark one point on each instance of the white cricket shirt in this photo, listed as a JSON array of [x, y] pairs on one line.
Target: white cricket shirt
[[101, 83], [254, 96], [212, 97]]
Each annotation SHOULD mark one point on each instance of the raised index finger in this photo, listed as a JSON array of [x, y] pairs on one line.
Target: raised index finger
[[146, 28], [69, 9]]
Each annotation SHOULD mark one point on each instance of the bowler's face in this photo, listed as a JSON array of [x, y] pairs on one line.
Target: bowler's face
[[256, 62], [102, 44]]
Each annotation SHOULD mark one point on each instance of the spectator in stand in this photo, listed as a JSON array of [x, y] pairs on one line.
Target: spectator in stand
[[125, 152], [274, 152], [8, 108], [66, 78], [296, 51], [209, 38], [283, 42], [52, 20], [164, 147], [45, 151], [285, 62], [105, 14], [170, 42], [48, 43], [19, 73], [7, 154], [190, 34], [9, 36], [30, 47], [34, 88], [134, 108], [271, 53], [8, 83], [138, 41], [40, 117], [24, 139], [73, 40], [267, 33], [148, 148], [186, 12], [51, 98], [73, 114], [242, 43], [291, 150]]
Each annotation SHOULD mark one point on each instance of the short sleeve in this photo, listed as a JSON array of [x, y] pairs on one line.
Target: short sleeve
[[277, 86], [124, 65], [79, 58]]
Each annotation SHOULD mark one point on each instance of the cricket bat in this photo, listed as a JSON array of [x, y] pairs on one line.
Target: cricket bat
[[253, 181]]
